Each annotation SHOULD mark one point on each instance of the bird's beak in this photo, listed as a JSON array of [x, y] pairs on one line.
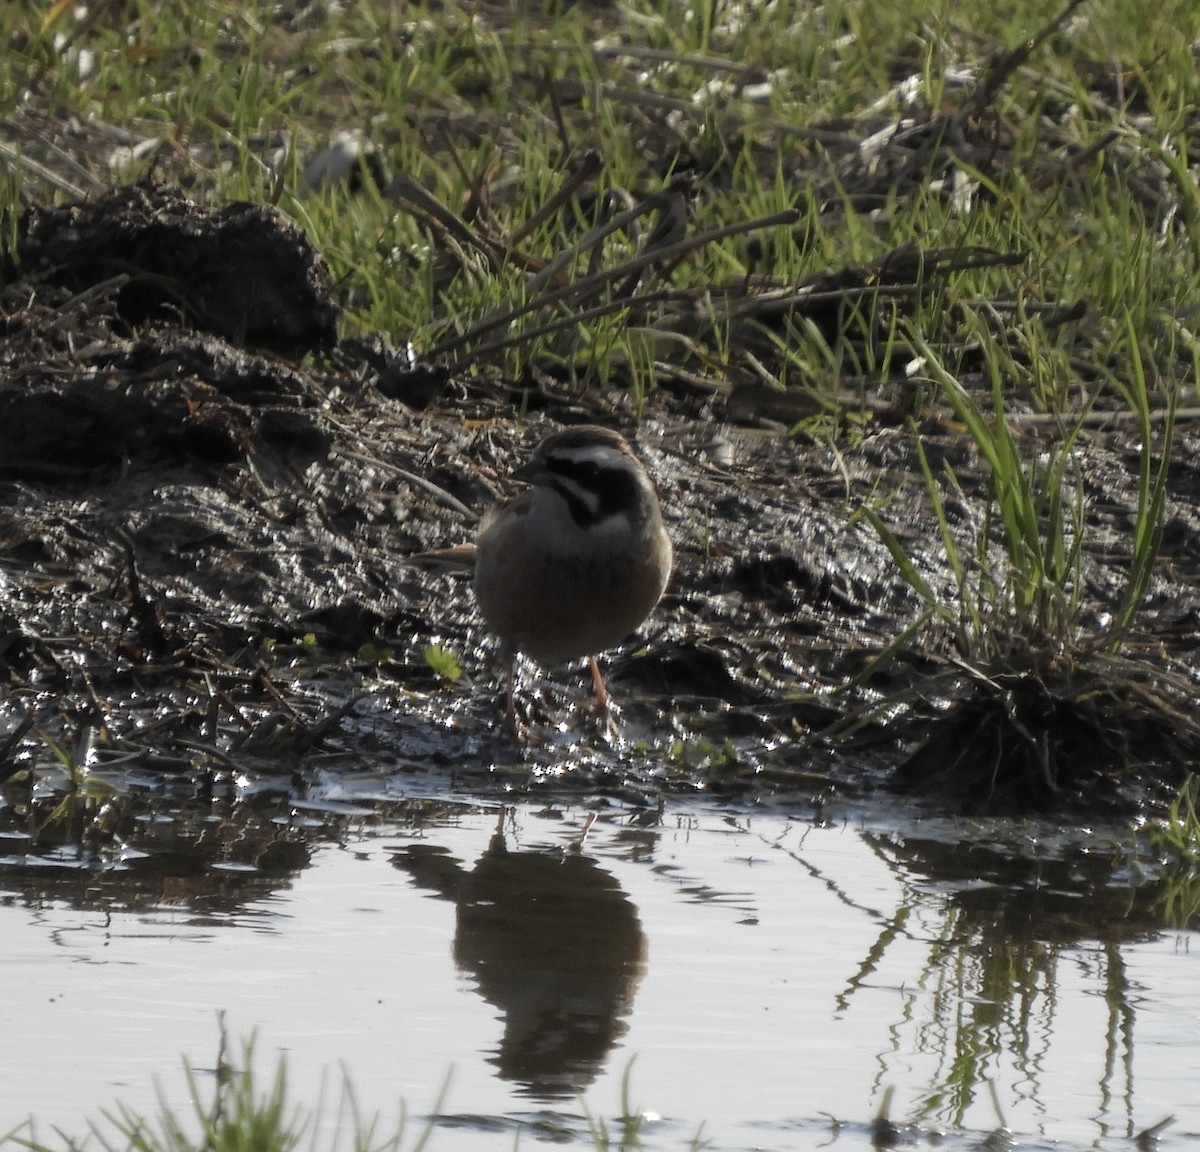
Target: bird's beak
[[529, 471]]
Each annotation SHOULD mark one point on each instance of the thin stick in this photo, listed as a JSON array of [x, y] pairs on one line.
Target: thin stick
[[589, 166], [590, 283]]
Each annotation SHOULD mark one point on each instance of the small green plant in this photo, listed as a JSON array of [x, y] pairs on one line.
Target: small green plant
[[1033, 591], [84, 790], [374, 653], [1019, 578], [700, 754], [443, 663], [311, 646], [1177, 837], [240, 1116], [626, 1134], [1175, 844], [1152, 488]]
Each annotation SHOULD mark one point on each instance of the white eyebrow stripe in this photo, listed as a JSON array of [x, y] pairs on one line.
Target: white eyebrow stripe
[[602, 455]]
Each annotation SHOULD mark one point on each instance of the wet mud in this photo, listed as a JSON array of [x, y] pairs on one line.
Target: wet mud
[[208, 503]]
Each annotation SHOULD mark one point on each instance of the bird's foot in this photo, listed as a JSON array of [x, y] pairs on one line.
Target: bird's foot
[[605, 710]]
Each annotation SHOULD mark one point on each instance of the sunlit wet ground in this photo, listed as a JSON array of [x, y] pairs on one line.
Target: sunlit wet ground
[[765, 975]]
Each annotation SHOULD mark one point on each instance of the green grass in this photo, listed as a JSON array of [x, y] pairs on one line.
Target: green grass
[[242, 1114], [1019, 575], [1177, 836], [489, 110]]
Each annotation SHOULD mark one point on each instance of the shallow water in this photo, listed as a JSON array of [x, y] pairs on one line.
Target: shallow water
[[776, 978]]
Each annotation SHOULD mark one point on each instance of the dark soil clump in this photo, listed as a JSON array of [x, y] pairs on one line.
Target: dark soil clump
[[1021, 743], [243, 272]]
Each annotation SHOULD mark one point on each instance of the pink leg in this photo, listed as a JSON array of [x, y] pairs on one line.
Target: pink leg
[[601, 691]]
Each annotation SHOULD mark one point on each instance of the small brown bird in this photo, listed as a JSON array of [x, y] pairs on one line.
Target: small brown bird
[[573, 564]]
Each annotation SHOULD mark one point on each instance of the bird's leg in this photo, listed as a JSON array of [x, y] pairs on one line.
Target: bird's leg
[[510, 697], [609, 727], [602, 711], [516, 726]]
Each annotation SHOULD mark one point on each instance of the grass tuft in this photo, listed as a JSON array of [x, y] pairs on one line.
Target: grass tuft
[[240, 1115]]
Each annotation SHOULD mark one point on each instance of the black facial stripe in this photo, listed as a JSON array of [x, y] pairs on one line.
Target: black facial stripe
[[591, 491], [583, 511]]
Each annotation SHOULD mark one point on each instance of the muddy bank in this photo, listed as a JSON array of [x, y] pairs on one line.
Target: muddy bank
[[207, 502]]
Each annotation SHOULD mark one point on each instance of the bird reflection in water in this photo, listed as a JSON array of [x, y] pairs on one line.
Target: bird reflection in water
[[552, 941]]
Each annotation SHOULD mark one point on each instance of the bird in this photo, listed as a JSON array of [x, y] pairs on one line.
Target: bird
[[576, 561]]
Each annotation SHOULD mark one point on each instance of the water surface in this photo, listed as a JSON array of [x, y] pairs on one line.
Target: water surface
[[769, 975]]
